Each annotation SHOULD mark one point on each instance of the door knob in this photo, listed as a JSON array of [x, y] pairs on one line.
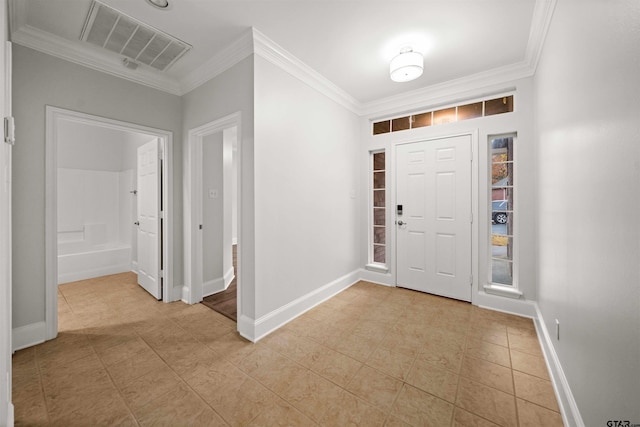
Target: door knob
[[400, 222]]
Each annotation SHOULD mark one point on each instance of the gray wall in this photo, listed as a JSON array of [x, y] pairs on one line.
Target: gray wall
[[228, 93], [40, 80], [83, 146], [588, 130], [307, 179]]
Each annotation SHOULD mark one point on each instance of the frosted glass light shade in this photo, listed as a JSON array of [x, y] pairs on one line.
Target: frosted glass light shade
[[406, 66]]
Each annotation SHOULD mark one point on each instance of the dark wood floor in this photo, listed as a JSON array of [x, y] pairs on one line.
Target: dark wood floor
[[225, 302]]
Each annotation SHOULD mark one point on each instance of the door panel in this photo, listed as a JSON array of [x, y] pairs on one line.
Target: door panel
[[149, 218], [434, 233]]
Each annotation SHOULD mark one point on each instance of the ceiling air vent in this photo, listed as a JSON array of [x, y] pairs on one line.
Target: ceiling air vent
[[124, 35]]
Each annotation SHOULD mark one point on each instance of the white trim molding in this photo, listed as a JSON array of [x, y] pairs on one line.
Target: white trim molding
[[277, 55], [568, 406], [108, 62], [254, 42], [220, 284], [519, 307], [29, 335], [254, 330], [194, 286], [504, 291], [90, 273], [10, 414], [227, 58]]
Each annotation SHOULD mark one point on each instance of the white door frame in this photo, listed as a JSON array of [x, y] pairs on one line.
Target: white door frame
[[192, 291], [475, 188], [53, 116]]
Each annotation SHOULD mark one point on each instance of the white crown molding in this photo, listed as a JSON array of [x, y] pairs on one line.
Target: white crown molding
[[17, 14], [253, 41], [542, 14], [230, 56], [280, 57], [57, 46], [446, 91]]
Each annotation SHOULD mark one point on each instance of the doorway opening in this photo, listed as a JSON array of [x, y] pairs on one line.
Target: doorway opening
[[213, 249], [96, 169]]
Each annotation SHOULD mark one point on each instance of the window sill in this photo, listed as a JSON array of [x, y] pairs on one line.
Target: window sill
[[503, 291], [378, 268]]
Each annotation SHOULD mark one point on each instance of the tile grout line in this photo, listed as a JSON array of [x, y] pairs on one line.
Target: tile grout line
[[124, 400], [40, 380], [178, 375], [464, 352], [201, 340], [513, 380]]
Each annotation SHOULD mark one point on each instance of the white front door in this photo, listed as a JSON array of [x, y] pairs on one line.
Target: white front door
[[434, 228], [149, 225]]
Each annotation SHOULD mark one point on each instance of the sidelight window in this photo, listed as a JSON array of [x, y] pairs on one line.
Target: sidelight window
[[502, 209], [377, 229]]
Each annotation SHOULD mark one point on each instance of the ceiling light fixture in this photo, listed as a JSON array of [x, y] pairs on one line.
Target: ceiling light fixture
[[406, 66], [160, 4]]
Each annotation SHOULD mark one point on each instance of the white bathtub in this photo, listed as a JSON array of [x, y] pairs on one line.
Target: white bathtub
[[77, 261]]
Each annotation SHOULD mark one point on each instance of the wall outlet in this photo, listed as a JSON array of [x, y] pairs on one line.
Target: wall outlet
[[557, 330], [213, 193]]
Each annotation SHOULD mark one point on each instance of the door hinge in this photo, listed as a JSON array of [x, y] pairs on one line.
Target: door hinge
[[200, 227], [9, 130], [471, 280], [471, 217], [161, 274]]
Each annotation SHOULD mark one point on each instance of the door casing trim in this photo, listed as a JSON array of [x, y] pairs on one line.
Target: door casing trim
[[192, 290]]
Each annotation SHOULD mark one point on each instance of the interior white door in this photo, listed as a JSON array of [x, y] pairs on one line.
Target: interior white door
[[149, 223], [434, 230]]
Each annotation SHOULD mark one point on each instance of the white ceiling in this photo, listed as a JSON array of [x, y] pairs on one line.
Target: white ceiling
[[348, 42]]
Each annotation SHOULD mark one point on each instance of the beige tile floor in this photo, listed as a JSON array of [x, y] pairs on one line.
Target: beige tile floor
[[370, 356]]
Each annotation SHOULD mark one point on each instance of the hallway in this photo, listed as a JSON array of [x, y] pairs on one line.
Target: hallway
[[371, 355]]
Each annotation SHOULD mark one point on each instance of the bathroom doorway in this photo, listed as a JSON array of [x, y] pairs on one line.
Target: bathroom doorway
[[91, 202]]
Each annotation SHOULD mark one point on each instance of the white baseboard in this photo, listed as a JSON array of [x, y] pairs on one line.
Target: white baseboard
[[10, 416], [518, 307], [378, 278], [211, 287], [185, 293], [568, 406], [176, 293], [28, 335], [134, 266], [246, 327], [229, 276], [90, 274], [220, 284], [254, 330]]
